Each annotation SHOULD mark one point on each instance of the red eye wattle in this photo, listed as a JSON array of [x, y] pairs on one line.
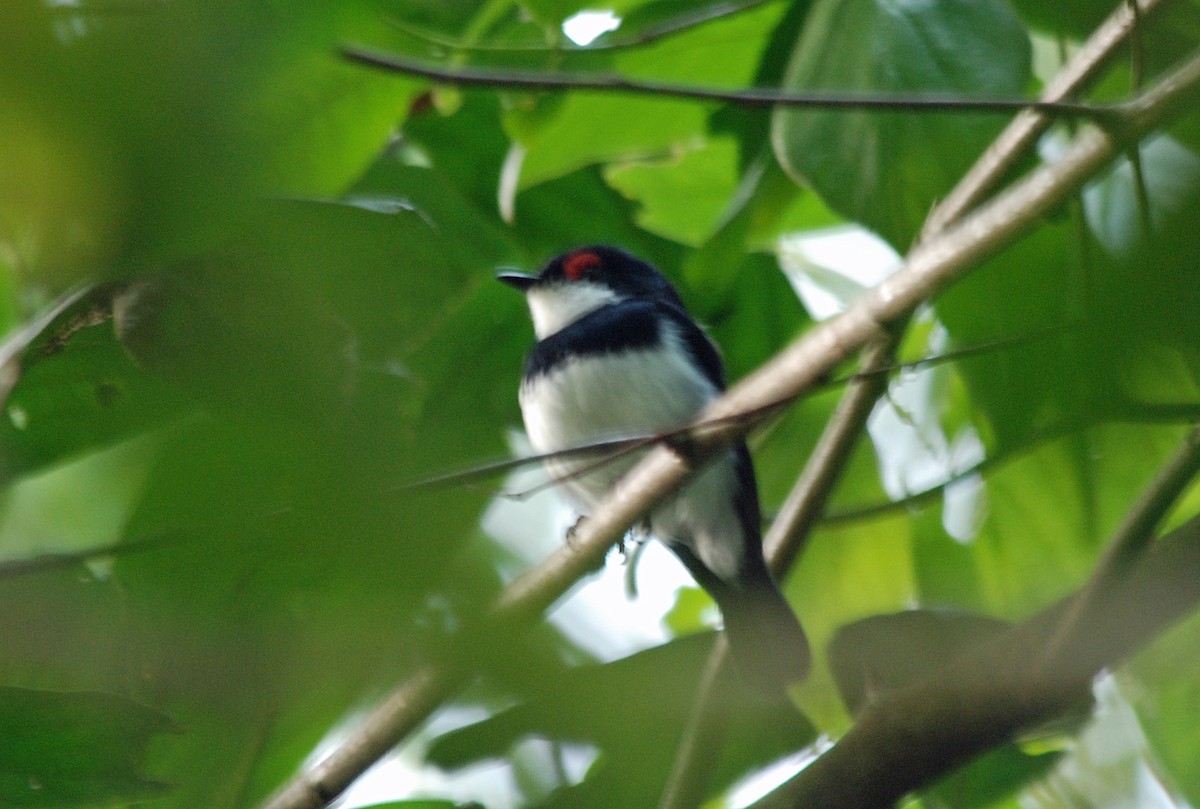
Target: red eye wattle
[[577, 264]]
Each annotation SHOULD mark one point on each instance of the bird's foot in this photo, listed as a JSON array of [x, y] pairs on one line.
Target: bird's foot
[[573, 531]]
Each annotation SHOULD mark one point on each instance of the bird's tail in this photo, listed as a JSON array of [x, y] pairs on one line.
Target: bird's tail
[[768, 645]]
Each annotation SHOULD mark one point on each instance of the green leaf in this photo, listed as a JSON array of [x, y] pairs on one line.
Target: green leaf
[[1163, 691], [682, 195], [74, 748], [886, 652], [1023, 291], [886, 170], [991, 778], [79, 390], [686, 616], [587, 128], [848, 572]]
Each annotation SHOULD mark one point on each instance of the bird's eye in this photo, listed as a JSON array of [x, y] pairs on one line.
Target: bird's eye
[[576, 264]]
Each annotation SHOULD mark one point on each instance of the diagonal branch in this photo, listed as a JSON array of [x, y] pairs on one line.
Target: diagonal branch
[[1019, 136], [701, 746], [796, 369], [910, 737]]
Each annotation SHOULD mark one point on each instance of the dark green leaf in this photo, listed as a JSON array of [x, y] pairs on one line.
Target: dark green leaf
[[886, 170], [891, 651], [74, 748], [593, 704]]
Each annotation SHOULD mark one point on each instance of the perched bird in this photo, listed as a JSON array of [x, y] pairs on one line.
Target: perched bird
[[617, 354]]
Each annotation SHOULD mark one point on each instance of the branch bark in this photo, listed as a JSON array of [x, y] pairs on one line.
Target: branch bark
[[910, 737]]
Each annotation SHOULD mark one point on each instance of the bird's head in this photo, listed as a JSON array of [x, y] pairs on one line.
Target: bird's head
[[581, 281]]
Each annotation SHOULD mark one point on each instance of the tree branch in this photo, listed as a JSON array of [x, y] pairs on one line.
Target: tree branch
[[696, 759], [796, 369], [1019, 136], [766, 97], [908, 738]]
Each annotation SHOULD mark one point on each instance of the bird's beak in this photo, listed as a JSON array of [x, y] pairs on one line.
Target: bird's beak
[[517, 280]]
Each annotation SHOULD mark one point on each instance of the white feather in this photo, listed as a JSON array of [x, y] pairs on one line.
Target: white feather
[[554, 306], [635, 392]]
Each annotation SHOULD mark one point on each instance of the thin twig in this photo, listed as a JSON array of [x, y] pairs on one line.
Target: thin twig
[[1129, 541], [20, 339], [1137, 66], [11, 568], [610, 449], [1019, 136], [764, 97], [703, 736], [676, 25]]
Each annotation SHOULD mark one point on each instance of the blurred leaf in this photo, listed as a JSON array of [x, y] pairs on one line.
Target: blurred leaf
[[991, 778], [886, 170], [79, 390], [1163, 690], [593, 704], [74, 748], [1049, 511], [1171, 175], [886, 652], [687, 614], [569, 140], [1075, 20], [1024, 291], [849, 572]]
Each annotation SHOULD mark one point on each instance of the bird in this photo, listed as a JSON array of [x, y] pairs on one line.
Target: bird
[[618, 354]]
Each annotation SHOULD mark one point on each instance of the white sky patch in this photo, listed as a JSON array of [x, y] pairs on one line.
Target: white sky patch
[[914, 451], [832, 267], [583, 28], [757, 785]]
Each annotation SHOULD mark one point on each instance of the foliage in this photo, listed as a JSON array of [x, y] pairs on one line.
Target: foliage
[[290, 315]]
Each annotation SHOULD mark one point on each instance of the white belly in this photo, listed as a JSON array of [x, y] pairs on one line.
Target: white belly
[[634, 394], [608, 396]]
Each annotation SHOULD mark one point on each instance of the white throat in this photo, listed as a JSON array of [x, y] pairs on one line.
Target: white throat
[[559, 305]]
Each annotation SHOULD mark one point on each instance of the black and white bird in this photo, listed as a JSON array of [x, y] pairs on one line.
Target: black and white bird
[[617, 354]]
